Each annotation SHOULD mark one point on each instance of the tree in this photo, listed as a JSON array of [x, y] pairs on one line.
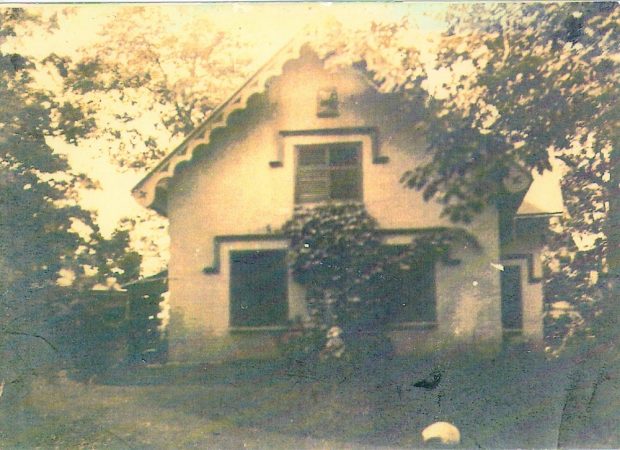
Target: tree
[[529, 82], [131, 95], [525, 84], [144, 84], [39, 244]]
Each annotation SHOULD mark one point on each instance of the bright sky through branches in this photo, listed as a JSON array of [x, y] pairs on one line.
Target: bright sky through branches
[[267, 26]]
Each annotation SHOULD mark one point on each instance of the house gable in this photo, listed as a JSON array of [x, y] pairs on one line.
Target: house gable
[[240, 188], [244, 181], [150, 191]]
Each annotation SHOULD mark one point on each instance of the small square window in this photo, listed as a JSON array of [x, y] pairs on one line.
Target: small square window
[[327, 103], [328, 172]]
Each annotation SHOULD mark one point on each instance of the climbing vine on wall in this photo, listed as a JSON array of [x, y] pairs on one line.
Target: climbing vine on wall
[[336, 253]]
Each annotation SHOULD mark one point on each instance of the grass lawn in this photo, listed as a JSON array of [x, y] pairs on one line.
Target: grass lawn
[[514, 399]]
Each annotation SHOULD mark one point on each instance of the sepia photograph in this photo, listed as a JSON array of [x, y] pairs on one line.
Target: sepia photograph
[[309, 225]]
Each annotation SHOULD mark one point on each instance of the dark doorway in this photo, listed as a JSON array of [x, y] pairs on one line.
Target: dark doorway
[[512, 304]]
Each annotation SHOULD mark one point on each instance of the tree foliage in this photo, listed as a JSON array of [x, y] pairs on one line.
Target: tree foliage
[[162, 64], [39, 243], [526, 83]]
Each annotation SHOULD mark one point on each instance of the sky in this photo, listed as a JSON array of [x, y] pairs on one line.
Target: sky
[[268, 25]]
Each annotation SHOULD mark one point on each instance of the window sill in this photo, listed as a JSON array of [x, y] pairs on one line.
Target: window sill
[[512, 332], [417, 326], [260, 329]]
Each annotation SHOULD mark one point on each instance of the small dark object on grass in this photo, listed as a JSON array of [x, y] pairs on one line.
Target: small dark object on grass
[[430, 382]]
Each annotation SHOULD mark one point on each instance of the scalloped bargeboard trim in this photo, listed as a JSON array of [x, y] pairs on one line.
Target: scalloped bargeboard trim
[[145, 191]]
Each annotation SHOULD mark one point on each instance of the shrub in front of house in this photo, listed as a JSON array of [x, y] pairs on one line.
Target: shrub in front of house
[[97, 331], [92, 332]]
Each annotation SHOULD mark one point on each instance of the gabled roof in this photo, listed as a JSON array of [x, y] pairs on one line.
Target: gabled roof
[[544, 196], [150, 191]]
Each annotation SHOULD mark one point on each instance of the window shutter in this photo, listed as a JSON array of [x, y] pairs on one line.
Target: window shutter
[[345, 184], [258, 288], [409, 290], [512, 303], [328, 172], [312, 184]]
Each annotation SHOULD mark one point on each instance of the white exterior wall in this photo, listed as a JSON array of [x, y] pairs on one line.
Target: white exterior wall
[[231, 189], [468, 295]]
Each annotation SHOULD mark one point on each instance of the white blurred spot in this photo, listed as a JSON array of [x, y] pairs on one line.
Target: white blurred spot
[[475, 283], [444, 432], [562, 305], [66, 277], [498, 266]]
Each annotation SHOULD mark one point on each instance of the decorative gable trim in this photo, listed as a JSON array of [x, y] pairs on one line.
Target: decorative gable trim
[[146, 190], [152, 189]]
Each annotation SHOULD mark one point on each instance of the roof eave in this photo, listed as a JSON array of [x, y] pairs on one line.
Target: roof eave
[[539, 215]]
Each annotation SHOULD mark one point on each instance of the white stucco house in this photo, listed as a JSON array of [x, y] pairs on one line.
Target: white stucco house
[[297, 133]]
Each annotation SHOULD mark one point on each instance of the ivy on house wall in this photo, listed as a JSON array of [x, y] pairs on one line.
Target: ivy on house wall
[[336, 253]]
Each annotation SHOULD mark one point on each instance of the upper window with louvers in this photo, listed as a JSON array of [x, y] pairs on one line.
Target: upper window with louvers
[[328, 172]]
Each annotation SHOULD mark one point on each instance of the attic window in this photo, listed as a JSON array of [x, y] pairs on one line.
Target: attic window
[[328, 172]]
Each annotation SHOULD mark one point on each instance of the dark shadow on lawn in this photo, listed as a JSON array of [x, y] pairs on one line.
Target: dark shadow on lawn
[[511, 400]]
